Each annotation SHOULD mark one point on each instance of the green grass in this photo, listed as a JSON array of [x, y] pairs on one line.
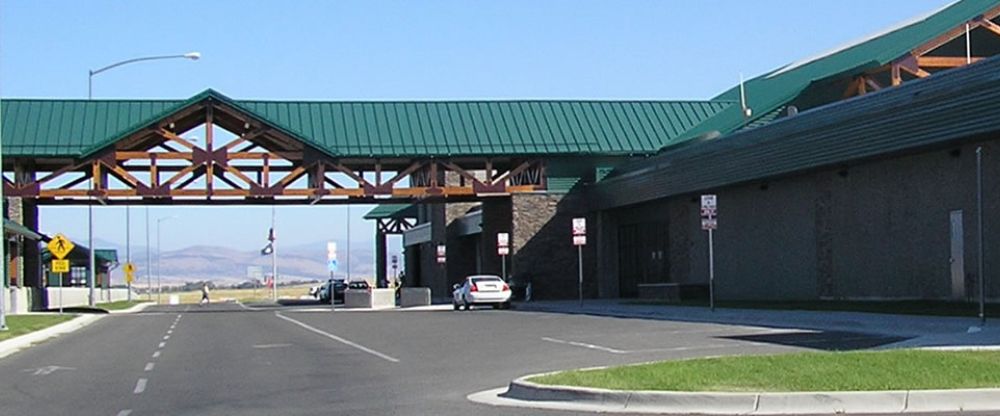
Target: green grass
[[121, 304], [839, 371], [902, 307], [23, 324]]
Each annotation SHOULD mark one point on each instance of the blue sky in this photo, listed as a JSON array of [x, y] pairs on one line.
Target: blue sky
[[400, 50]]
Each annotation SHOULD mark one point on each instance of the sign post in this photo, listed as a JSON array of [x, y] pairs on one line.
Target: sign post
[[59, 247], [503, 249], [331, 265], [710, 223], [395, 266], [580, 240]]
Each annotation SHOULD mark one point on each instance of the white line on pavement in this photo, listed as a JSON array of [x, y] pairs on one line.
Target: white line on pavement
[[584, 345], [156, 354], [140, 386], [170, 331], [149, 367], [339, 339], [125, 412], [166, 337], [264, 346], [162, 344]]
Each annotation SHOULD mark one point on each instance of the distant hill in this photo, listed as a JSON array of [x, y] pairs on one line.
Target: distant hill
[[226, 266]]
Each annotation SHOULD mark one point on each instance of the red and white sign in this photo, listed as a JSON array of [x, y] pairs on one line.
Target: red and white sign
[[579, 240], [709, 212], [503, 251], [579, 226], [442, 253]]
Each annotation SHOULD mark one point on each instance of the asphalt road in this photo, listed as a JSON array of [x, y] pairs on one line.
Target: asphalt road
[[229, 360]]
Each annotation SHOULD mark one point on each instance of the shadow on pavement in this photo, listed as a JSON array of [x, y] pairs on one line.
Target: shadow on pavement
[[821, 340]]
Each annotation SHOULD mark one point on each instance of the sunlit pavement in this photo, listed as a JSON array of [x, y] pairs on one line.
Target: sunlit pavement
[[225, 359]]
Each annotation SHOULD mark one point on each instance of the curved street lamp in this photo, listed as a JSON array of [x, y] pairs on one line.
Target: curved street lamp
[[194, 56]]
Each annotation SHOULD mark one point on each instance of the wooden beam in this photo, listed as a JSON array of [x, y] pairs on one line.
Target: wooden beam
[[872, 84], [953, 33], [944, 61], [897, 78], [989, 25]]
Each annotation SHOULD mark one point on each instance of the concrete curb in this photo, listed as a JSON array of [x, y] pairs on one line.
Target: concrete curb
[[134, 309], [523, 393], [16, 344]]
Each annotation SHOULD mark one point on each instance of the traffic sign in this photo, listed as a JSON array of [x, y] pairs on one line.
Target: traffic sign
[[60, 246], [503, 239], [503, 251], [579, 226], [710, 223], [579, 240], [708, 202], [129, 273], [60, 266], [442, 253]]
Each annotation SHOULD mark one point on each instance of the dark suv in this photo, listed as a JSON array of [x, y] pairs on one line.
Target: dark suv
[[338, 290]]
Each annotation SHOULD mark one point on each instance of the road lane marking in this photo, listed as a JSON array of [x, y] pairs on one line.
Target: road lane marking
[[162, 344], [156, 354], [264, 346], [170, 331], [44, 371], [339, 339], [125, 412], [149, 367], [166, 337], [584, 345], [140, 386]]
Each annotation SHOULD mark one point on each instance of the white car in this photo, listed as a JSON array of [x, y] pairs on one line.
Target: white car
[[481, 290]]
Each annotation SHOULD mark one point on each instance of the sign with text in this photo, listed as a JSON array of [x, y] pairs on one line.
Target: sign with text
[[442, 254], [579, 231], [503, 244], [60, 266], [709, 212], [331, 257]]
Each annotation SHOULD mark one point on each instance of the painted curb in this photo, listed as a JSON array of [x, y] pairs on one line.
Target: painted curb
[[16, 344], [523, 393]]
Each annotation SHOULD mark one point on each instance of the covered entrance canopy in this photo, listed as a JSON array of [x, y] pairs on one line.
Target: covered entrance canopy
[[284, 152]]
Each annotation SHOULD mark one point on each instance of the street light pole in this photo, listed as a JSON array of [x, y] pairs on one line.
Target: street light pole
[[4, 292], [159, 270], [194, 56]]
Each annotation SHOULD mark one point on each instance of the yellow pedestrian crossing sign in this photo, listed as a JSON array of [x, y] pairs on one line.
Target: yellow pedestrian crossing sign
[[129, 273], [60, 246], [60, 266]]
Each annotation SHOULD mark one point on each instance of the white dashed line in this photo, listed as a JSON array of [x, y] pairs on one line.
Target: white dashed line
[[162, 344], [170, 331], [149, 367], [584, 345], [156, 354], [125, 412], [339, 339], [140, 386], [166, 337]]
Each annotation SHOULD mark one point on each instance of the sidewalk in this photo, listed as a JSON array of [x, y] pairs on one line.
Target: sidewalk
[[922, 331]]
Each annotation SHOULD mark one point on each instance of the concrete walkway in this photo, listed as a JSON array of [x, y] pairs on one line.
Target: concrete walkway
[[920, 331]]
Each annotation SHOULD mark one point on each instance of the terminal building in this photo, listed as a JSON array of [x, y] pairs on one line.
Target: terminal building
[[848, 175]]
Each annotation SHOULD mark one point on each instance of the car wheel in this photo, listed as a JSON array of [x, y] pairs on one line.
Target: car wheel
[[497, 306], [505, 305], [468, 306]]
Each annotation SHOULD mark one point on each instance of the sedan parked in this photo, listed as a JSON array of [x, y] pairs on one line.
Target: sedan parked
[[481, 290]]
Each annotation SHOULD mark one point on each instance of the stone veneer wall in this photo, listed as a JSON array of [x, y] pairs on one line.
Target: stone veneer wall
[[542, 245]]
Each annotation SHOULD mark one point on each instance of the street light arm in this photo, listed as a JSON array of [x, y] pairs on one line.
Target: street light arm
[[191, 55]]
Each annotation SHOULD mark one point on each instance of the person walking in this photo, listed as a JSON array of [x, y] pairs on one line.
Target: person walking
[[204, 294]]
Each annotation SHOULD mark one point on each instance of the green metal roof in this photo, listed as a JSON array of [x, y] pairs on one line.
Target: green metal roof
[[392, 211], [768, 92], [76, 128], [81, 254], [934, 112], [13, 227]]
